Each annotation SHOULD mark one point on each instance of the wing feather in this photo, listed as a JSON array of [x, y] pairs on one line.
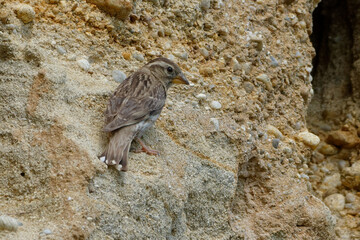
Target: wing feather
[[134, 100]]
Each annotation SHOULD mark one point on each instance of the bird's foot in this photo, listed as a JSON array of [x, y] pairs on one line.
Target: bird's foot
[[146, 149]]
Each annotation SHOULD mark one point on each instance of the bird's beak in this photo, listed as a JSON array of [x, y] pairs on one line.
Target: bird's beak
[[180, 79]]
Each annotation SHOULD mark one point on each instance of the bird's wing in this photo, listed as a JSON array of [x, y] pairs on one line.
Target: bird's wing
[[133, 101]]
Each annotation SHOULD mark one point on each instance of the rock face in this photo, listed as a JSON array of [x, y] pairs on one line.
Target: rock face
[[220, 174], [334, 113], [118, 8]]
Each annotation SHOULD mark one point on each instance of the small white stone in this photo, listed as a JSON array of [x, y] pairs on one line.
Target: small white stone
[[47, 231], [205, 53], [171, 57], [331, 182], [350, 197], [69, 198], [84, 64], [182, 55], [309, 139], [354, 170], [201, 96], [71, 57], [154, 53], [118, 76], [167, 46], [235, 64], [304, 176], [107, 161], [60, 50], [215, 105], [102, 159], [215, 121], [335, 202], [219, 4], [138, 56], [113, 162]]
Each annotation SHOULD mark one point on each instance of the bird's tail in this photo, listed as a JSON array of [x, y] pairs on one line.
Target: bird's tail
[[117, 150]]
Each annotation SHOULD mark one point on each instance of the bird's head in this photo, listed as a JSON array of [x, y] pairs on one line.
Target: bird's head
[[166, 71]]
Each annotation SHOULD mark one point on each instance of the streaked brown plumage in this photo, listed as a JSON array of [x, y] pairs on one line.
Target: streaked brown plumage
[[135, 106]]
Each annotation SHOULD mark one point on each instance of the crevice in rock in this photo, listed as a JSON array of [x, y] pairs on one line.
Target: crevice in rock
[[334, 111], [332, 39]]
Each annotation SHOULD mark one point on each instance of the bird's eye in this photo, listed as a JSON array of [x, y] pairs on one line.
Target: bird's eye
[[170, 69]]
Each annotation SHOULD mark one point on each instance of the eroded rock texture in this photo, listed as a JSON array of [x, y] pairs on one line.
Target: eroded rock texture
[[232, 165]]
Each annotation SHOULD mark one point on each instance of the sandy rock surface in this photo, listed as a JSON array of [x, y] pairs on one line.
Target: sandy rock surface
[[223, 173]]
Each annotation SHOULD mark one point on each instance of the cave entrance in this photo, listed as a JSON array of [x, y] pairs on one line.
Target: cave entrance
[[333, 39]]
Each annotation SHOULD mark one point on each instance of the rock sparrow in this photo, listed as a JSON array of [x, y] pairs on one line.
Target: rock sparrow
[[135, 106]]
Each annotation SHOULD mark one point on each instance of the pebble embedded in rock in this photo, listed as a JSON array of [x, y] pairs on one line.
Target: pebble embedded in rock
[[350, 197], [342, 164], [170, 103], [182, 55], [167, 46], [201, 96], [266, 80], [47, 231], [138, 56], [215, 105], [25, 13], [84, 64], [335, 202], [235, 64], [126, 55], [354, 170], [60, 50], [215, 121], [154, 53], [249, 87], [119, 8], [206, 71], [205, 5], [118, 76], [274, 62], [9, 223], [171, 57], [327, 149], [331, 182], [275, 142], [33, 55], [274, 131], [309, 139], [346, 139], [205, 53], [246, 67]]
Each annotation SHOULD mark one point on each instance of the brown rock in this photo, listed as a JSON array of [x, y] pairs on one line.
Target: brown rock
[[126, 55], [206, 71], [25, 13], [346, 139], [119, 8], [327, 149], [4, 15]]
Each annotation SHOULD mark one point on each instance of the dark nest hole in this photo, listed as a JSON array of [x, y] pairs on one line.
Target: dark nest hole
[[332, 39]]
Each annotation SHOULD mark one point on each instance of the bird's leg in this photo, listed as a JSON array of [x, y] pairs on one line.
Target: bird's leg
[[146, 149]]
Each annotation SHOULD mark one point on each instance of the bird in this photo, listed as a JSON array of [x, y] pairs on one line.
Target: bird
[[135, 106]]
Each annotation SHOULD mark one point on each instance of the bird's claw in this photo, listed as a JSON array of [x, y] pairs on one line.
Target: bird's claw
[[148, 150]]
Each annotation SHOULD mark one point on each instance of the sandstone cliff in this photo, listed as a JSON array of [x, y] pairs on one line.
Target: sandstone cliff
[[235, 149]]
